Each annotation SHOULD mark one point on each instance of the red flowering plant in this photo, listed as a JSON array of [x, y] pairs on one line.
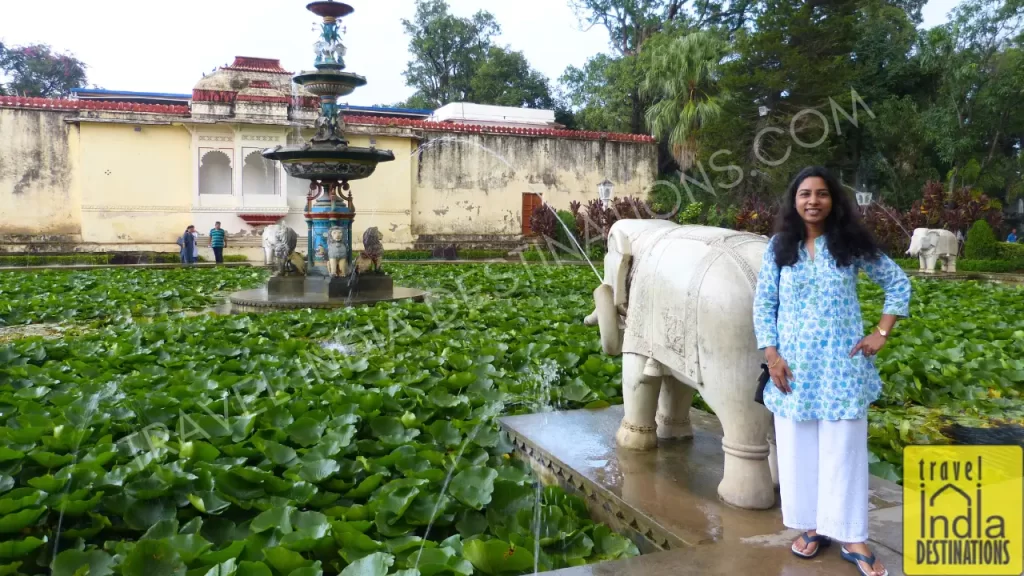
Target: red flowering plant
[[755, 215]]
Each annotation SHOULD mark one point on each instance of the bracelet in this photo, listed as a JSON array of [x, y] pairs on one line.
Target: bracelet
[[776, 363]]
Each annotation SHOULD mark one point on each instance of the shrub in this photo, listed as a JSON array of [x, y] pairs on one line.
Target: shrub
[[981, 243], [568, 222], [692, 214], [755, 216], [236, 258], [543, 221]]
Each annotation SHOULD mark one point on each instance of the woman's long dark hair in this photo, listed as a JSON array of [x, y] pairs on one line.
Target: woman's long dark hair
[[845, 235]]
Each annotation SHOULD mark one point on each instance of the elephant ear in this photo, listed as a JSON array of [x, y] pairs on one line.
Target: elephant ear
[[616, 268]]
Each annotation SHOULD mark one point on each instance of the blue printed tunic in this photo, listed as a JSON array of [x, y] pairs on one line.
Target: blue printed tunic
[[810, 313]]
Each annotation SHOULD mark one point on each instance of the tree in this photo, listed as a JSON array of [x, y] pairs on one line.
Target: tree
[[682, 79], [505, 78], [631, 23], [35, 70], [455, 60], [445, 50], [599, 94]]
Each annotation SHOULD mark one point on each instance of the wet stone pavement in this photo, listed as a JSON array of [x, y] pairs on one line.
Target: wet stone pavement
[[667, 501]]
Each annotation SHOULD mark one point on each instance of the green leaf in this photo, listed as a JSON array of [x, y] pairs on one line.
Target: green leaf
[[376, 564], [144, 513], [285, 561], [474, 486], [278, 453], [12, 523], [317, 471], [14, 549], [153, 558], [366, 487], [48, 483], [198, 451], [497, 557], [96, 562], [313, 570], [305, 431], [247, 568], [279, 517]]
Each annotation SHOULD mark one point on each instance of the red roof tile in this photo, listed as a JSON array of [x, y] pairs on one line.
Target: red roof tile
[[54, 104], [480, 129], [250, 64]]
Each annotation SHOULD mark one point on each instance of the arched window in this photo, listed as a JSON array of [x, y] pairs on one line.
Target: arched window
[[259, 175], [214, 171]]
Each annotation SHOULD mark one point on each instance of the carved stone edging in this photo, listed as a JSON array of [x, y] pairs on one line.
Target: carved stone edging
[[644, 531]]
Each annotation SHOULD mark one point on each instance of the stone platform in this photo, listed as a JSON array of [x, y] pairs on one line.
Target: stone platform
[[667, 501], [260, 300]]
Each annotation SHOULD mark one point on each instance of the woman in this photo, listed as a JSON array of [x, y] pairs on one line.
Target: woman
[[807, 320]]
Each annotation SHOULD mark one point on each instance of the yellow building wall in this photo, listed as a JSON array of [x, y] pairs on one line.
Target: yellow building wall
[[473, 184], [136, 185], [39, 187], [106, 186]]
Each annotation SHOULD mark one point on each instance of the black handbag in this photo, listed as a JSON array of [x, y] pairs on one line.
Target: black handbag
[[762, 381]]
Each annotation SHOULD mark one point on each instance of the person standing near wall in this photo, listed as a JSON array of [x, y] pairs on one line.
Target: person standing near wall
[[188, 245], [807, 319], [218, 240]]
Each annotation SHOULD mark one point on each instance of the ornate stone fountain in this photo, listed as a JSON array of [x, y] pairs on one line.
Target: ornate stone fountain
[[329, 163]]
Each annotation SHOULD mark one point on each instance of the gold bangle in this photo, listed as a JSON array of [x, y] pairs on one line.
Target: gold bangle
[[776, 363]]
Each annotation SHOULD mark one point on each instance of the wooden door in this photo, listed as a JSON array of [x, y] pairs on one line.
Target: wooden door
[[531, 201]]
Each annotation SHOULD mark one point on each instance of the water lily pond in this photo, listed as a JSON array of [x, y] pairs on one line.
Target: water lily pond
[[138, 437]]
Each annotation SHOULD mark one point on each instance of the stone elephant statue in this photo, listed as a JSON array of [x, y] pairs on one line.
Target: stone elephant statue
[[677, 303], [931, 245]]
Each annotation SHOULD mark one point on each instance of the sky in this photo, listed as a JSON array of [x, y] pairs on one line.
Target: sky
[[165, 47]]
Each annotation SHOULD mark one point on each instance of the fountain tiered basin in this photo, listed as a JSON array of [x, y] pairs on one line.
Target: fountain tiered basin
[[329, 163]]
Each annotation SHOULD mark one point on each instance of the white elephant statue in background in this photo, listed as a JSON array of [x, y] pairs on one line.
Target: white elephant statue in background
[[269, 238], [279, 243], [677, 303], [933, 245]]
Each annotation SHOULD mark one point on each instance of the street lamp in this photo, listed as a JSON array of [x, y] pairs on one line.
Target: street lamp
[[604, 191]]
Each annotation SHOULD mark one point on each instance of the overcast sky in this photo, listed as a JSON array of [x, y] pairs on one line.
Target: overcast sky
[[166, 46]]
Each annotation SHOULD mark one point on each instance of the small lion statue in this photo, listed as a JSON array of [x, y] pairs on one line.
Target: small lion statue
[[337, 252], [373, 249]]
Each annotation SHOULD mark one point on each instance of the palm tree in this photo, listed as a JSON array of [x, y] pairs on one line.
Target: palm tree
[[682, 79]]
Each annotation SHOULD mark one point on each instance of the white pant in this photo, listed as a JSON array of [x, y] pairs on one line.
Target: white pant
[[823, 476]]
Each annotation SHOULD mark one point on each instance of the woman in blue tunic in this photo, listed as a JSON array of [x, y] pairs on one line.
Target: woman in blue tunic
[[807, 320]]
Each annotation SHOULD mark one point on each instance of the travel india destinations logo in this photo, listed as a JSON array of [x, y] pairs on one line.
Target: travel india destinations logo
[[963, 510]]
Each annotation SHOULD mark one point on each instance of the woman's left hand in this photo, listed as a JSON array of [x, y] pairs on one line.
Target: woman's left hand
[[869, 345]]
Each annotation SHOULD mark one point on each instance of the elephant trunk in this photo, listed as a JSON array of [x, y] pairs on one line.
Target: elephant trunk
[[608, 320]]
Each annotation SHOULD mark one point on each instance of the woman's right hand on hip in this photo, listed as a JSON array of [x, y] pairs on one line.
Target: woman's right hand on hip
[[779, 371]]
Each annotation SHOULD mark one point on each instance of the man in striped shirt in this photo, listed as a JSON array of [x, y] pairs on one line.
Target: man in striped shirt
[[218, 239]]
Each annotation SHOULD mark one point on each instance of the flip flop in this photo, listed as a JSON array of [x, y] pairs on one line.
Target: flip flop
[[855, 559], [821, 541]]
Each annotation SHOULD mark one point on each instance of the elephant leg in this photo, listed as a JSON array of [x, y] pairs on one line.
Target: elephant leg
[[674, 409], [951, 264], [747, 476], [931, 264], [640, 402], [924, 262]]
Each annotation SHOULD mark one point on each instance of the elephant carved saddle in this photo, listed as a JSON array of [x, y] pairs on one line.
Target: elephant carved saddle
[[668, 271]]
